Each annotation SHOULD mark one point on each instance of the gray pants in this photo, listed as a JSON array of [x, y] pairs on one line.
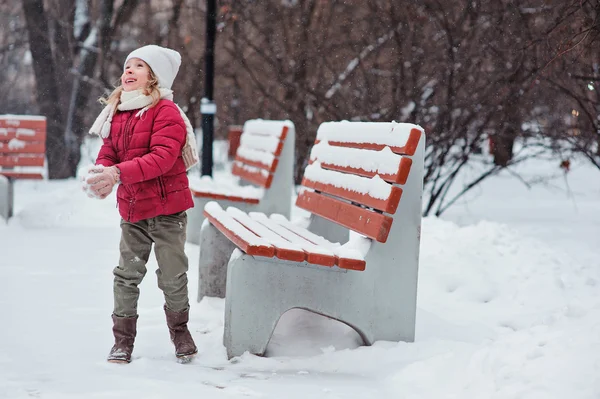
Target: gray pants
[[168, 235]]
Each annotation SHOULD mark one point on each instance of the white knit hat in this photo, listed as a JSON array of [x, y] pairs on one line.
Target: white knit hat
[[163, 61]]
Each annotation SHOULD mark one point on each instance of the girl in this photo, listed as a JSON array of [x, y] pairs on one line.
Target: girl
[[148, 142]]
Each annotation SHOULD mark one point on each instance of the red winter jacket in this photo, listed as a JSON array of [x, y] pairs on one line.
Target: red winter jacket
[[147, 151]]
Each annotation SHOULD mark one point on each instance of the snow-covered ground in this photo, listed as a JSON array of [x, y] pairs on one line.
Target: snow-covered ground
[[508, 307]]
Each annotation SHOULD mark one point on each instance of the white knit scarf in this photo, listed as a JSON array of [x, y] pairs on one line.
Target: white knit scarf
[[136, 99]]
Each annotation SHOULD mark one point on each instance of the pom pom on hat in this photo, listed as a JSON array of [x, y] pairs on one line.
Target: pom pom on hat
[[163, 61]]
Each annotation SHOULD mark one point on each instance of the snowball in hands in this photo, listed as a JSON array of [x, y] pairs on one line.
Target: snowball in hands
[[98, 181], [91, 171]]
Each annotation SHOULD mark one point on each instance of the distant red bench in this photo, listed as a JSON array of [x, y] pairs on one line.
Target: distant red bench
[[22, 154], [261, 174]]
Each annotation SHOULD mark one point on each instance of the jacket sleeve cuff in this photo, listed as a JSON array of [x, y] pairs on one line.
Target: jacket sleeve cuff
[[129, 171], [104, 162]]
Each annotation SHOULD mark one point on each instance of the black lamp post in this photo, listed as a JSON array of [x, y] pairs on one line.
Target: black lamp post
[[207, 106]]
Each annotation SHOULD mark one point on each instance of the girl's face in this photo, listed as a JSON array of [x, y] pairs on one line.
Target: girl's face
[[136, 75]]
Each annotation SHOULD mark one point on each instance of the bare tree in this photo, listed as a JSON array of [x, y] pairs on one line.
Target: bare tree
[[520, 75], [65, 53], [16, 80], [573, 74], [462, 71], [47, 87]]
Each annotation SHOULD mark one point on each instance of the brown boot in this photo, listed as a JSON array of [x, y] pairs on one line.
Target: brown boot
[[124, 330], [180, 335]]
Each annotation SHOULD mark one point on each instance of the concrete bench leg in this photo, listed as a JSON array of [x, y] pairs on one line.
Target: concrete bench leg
[[195, 220], [250, 317], [6, 197], [377, 305], [260, 291], [215, 251]]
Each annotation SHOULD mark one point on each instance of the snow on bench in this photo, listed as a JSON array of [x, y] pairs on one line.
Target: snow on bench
[[256, 162], [22, 146], [226, 190], [22, 154], [388, 165], [401, 138], [353, 180], [363, 186], [262, 173], [258, 235]]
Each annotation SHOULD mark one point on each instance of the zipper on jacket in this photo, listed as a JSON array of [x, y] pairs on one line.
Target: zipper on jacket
[[127, 134], [163, 191], [131, 202]]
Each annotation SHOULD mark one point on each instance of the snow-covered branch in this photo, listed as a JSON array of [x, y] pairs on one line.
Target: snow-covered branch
[[353, 64]]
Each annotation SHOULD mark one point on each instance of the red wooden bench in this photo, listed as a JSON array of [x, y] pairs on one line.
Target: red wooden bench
[[261, 173], [22, 154], [365, 178], [341, 184]]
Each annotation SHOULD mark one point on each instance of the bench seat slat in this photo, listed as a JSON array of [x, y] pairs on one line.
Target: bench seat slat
[[371, 224], [304, 233], [237, 233], [258, 176], [315, 254], [343, 262], [351, 264], [283, 249], [21, 175], [257, 235], [22, 160]]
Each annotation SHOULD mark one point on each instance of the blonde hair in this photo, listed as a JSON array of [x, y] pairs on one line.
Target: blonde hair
[[150, 90]]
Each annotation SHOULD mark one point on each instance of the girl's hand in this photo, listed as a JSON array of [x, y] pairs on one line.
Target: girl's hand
[[100, 181]]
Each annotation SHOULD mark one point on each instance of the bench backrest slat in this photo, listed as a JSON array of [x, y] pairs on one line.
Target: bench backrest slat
[[257, 156], [258, 176], [355, 174], [390, 166], [401, 138], [259, 159], [22, 134], [346, 184], [13, 147], [372, 224], [22, 160]]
